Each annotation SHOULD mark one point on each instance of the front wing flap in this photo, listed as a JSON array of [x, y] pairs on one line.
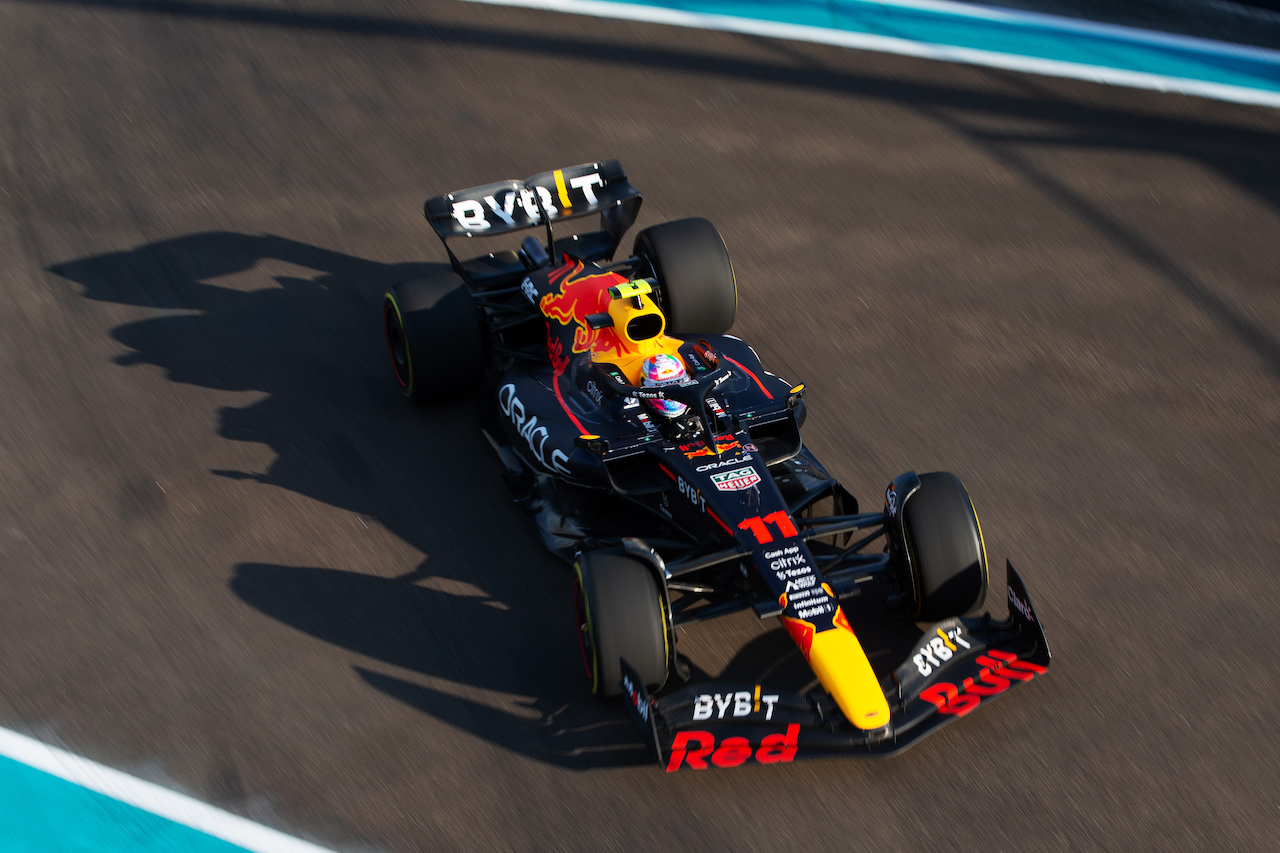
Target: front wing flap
[[958, 665]]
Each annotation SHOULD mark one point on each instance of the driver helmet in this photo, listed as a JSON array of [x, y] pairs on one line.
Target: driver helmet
[[663, 369]]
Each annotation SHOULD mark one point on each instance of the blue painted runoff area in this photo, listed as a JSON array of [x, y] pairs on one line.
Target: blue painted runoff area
[[41, 813], [1034, 36]]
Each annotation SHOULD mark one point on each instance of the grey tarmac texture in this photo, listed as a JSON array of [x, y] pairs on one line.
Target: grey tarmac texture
[[234, 561]]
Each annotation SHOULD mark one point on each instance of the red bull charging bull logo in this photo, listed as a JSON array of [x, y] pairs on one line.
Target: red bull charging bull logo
[[724, 443], [583, 293]]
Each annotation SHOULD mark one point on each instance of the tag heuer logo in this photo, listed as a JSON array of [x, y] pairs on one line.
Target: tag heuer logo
[[736, 480]]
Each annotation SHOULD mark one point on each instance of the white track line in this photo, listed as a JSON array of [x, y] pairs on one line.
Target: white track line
[[150, 797], [903, 47]]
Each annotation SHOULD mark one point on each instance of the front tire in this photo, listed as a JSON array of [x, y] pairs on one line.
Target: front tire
[[435, 338], [945, 547], [621, 613], [696, 286]]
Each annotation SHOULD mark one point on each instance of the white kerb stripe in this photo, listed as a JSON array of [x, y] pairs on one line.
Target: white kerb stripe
[[902, 47], [150, 797]]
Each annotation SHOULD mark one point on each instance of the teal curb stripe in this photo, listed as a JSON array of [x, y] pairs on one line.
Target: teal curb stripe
[[52, 801], [1038, 36], [975, 35], [40, 813]]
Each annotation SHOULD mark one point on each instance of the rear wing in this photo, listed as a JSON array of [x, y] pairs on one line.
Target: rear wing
[[566, 193]]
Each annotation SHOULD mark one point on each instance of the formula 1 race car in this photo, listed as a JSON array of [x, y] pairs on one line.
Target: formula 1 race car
[[685, 499]]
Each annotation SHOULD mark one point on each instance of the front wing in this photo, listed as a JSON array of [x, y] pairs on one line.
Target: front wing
[[959, 664]]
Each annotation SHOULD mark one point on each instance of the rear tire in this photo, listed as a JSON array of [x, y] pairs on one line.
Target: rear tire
[[621, 613], [944, 542], [696, 287], [435, 338]]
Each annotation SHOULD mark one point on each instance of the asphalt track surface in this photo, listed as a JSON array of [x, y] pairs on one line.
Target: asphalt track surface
[[235, 562]]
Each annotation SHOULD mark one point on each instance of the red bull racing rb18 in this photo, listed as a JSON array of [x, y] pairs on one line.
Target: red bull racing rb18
[[682, 500]]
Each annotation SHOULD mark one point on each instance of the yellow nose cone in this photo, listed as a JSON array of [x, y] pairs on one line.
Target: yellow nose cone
[[840, 664]]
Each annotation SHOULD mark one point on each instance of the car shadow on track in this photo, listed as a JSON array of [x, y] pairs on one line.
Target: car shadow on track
[[478, 635], [500, 673], [313, 349], [485, 613]]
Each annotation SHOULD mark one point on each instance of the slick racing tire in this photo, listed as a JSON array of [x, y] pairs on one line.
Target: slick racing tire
[[621, 613], [435, 338], [696, 288], [944, 543]]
